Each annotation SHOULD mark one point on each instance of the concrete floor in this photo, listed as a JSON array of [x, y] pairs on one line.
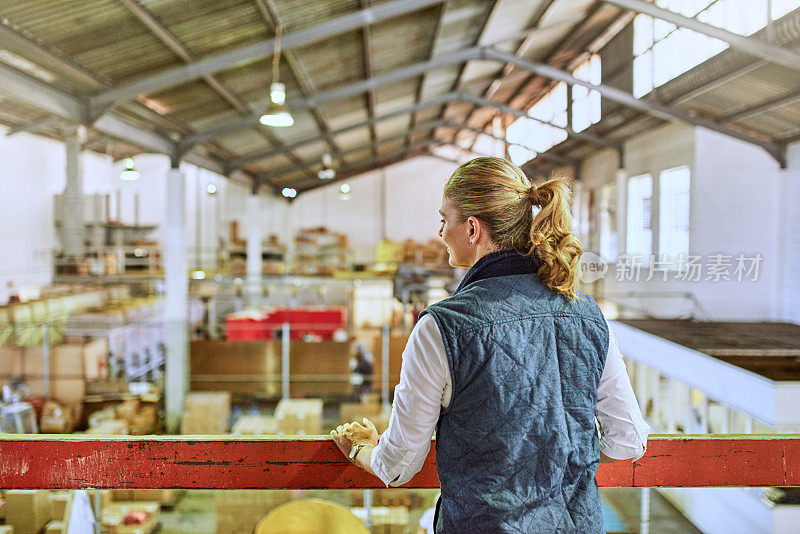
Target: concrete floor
[[194, 513], [664, 518]]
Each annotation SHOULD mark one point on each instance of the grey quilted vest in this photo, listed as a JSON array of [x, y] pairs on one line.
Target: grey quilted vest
[[517, 448]]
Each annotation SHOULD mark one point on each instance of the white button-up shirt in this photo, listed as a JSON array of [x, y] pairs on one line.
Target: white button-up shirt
[[426, 387]]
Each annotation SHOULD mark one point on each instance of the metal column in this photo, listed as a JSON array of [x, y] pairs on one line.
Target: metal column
[[385, 339], [285, 362], [255, 234], [176, 278], [72, 215]]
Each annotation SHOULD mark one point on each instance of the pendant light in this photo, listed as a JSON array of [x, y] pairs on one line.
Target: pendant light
[[129, 174], [277, 113]]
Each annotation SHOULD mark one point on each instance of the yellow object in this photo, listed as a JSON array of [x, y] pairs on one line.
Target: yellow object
[[310, 516]]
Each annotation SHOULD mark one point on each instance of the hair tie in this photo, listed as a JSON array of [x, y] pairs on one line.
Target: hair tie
[[533, 195]]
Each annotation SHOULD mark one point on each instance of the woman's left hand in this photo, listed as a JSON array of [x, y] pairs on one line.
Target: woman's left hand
[[349, 434]]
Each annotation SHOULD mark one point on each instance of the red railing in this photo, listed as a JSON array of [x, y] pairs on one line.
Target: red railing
[[237, 462]]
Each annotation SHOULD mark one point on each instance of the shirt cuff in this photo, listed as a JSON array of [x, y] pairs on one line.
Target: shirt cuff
[[626, 452]]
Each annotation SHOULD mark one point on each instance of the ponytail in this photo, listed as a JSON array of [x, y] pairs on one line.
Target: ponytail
[[499, 194], [551, 237]]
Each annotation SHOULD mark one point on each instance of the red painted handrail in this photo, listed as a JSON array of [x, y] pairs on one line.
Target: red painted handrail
[[238, 462]]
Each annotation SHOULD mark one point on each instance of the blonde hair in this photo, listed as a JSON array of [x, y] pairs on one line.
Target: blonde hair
[[502, 197]]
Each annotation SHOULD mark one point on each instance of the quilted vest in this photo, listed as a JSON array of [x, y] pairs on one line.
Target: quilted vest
[[517, 449]]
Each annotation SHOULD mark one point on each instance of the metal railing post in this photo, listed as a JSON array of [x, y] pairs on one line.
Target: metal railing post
[[368, 507], [644, 516], [285, 332], [385, 338], [46, 358]]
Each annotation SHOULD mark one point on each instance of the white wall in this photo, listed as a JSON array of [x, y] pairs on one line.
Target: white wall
[[412, 192], [734, 209], [34, 171], [789, 227]]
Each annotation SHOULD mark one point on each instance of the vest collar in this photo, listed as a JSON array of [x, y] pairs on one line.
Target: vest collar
[[501, 263]]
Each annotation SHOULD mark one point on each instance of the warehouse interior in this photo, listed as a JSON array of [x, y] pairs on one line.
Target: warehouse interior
[[221, 219]]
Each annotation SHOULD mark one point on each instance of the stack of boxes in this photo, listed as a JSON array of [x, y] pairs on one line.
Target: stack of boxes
[[28, 511], [299, 416], [206, 413], [238, 511]]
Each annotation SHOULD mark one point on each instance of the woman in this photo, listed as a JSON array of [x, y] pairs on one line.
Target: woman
[[514, 371]]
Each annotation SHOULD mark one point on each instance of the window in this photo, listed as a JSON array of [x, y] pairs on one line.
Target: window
[[585, 102], [782, 7], [608, 222], [536, 136], [663, 51], [639, 235], [673, 212]]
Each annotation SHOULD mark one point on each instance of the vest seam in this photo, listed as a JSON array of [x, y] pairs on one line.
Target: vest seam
[[531, 316], [450, 363]]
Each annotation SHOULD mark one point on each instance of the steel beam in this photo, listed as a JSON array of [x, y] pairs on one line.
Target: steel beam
[[563, 160], [421, 85], [367, 65], [40, 95], [772, 53], [448, 98], [272, 176], [255, 51], [269, 14], [361, 86], [784, 100], [172, 42], [264, 154], [271, 179], [653, 108], [34, 126], [381, 160], [508, 68]]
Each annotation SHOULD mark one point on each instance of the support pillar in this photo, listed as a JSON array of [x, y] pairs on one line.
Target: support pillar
[[622, 212], [176, 284], [255, 235], [73, 230]]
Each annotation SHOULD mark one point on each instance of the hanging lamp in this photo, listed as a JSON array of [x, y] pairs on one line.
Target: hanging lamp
[[277, 113], [129, 173]]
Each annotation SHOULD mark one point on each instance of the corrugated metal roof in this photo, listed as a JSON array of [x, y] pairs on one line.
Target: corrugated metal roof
[[106, 43]]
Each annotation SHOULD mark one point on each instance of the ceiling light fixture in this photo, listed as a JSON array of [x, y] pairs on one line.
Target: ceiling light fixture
[[277, 113], [288, 192], [129, 174], [327, 172], [344, 192]]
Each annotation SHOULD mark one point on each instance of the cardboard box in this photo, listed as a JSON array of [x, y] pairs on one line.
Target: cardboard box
[[57, 418], [320, 369], [238, 511], [162, 496], [10, 363], [397, 345], [68, 390], [60, 503], [28, 511], [299, 416], [85, 360], [211, 362], [256, 425], [113, 426], [206, 413]]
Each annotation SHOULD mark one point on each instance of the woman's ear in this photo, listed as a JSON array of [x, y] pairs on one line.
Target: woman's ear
[[474, 226]]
